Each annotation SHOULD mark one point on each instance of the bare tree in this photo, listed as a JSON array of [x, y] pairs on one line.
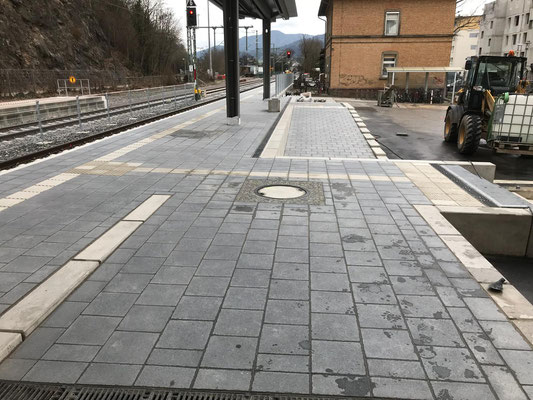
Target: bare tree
[[310, 48]]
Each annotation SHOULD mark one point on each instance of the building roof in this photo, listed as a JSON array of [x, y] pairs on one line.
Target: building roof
[[264, 9], [425, 69], [323, 8]]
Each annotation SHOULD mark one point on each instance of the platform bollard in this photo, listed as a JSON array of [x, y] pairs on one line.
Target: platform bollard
[[38, 111], [107, 107], [148, 98], [129, 101], [78, 109]]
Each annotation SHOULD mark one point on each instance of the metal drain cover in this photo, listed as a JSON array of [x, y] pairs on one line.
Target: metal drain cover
[[281, 192]]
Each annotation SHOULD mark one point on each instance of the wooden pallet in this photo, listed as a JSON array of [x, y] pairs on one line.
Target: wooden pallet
[[513, 147]]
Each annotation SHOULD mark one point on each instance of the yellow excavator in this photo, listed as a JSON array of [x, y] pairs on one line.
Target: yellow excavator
[[490, 80]]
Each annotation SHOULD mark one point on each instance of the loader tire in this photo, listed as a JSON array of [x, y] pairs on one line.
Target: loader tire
[[450, 129], [469, 134]]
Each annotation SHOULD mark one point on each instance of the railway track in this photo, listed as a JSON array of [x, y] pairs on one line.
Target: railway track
[[32, 128], [57, 148]]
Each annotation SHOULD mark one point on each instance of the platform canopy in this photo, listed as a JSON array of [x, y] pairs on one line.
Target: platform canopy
[[264, 9], [424, 69]]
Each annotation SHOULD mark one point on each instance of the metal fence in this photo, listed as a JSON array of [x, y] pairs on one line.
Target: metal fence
[[130, 103], [34, 82], [283, 83]]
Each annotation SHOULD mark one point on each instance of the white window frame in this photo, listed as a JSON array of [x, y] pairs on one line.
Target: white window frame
[[391, 16], [388, 63]]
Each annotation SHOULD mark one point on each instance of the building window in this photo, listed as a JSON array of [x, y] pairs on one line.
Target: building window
[[527, 19], [489, 41], [480, 50], [473, 35], [491, 24], [507, 40], [509, 22], [531, 24], [524, 40], [482, 34], [389, 61], [392, 23], [514, 39], [517, 20], [473, 47]]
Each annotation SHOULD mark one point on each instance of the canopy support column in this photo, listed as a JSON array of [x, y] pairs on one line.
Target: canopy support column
[[406, 82], [231, 51], [266, 59], [426, 83]]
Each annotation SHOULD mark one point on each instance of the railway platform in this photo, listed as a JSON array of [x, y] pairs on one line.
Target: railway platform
[[158, 258]]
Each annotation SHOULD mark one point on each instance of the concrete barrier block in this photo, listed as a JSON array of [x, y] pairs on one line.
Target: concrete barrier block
[[8, 342], [477, 224], [274, 105]]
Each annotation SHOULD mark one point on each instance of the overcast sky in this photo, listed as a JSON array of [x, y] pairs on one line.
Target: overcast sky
[[307, 21]]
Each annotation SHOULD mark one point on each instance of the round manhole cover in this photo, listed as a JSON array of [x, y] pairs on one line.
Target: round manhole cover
[[281, 192]]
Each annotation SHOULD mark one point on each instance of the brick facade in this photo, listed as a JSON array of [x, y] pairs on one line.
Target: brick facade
[[356, 42]]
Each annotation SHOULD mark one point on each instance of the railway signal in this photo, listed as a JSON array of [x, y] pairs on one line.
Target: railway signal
[[289, 53], [191, 16]]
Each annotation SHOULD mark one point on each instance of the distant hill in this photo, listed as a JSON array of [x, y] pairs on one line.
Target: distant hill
[[279, 40]]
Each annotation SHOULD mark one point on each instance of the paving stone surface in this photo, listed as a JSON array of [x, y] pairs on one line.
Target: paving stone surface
[[354, 297]]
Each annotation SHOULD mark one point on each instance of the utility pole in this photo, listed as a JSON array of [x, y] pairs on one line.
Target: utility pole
[[257, 49], [209, 42]]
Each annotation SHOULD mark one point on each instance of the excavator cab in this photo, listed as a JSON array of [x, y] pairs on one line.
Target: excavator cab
[[487, 77]]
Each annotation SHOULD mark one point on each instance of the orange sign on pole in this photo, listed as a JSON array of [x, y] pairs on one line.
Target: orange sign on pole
[[71, 79]]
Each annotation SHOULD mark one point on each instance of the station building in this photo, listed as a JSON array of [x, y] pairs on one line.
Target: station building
[[364, 37]]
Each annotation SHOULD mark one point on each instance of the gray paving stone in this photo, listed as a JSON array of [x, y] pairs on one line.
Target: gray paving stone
[[127, 348], [110, 374], [161, 295], [223, 379], [380, 316], [464, 320], [388, 344], [503, 335], [348, 385], [230, 352], [330, 282], [482, 348], [224, 268], [503, 382], [13, 369], [434, 332], [334, 327], [484, 309], [281, 382], [245, 298], [449, 297], [291, 271], [418, 285], [35, 345], [293, 242], [370, 293], [64, 315], [168, 377], [111, 304], [402, 268], [255, 261], [332, 302], [174, 275], [207, 286], [185, 358], [128, 283], [375, 275], [143, 265], [180, 258], [521, 362], [259, 278], [89, 330], [239, 323], [396, 368], [146, 319], [187, 335], [67, 352], [287, 312], [105, 272], [291, 256], [446, 363], [410, 389], [282, 363], [462, 391], [55, 371], [337, 358], [198, 308], [26, 263], [284, 339], [422, 306], [289, 290], [328, 264]]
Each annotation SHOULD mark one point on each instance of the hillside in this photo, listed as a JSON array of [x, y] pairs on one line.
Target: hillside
[[134, 37]]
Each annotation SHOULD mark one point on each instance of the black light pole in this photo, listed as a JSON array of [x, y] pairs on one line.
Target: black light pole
[[231, 47], [266, 59]]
